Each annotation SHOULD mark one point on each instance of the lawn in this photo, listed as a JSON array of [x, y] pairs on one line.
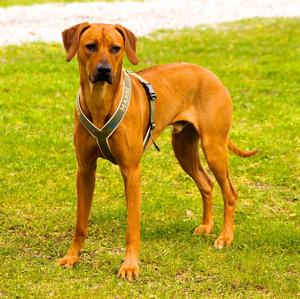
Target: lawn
[[259, 61], [31, 2]]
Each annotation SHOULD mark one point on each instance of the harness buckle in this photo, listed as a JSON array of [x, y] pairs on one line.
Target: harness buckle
[[151, 91]]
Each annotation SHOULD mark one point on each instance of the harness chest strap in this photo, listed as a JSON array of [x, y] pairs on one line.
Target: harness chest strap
[[102, 135]]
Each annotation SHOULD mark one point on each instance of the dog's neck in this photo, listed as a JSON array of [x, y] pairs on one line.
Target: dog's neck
[[100, 100]]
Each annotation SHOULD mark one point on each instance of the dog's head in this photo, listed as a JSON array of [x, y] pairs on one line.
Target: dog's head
[[100, 49]]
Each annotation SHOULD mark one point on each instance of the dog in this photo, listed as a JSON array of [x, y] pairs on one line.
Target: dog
[[189, 98]]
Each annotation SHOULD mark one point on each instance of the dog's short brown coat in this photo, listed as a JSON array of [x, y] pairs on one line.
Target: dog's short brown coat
[[189, 97]]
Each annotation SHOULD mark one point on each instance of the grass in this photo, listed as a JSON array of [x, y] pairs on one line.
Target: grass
[[6, 3], [259, 61]]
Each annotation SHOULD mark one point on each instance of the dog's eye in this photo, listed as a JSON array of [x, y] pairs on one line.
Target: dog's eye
[[91, 47], [115, 49]]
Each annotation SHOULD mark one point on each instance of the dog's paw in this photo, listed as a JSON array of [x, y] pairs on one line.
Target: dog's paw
[[203, 229], [68, 261], [129, 270], [223, 241]]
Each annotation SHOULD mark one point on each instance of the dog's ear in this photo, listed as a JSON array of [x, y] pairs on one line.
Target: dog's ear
[[71, 37], [130, 43]]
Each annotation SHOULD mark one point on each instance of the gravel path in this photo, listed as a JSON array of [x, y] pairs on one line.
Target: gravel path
[[45, 22]]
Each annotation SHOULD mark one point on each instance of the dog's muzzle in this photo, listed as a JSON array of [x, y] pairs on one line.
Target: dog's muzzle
[[102, 73]]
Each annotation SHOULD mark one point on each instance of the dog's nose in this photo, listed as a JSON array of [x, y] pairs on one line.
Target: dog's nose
[[103, 68]]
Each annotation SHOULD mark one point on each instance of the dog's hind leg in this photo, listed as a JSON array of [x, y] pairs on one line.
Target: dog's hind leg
[[215, 150], [185, 144]]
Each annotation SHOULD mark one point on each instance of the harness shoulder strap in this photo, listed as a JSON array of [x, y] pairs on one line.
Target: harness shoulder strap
[[152, 96]]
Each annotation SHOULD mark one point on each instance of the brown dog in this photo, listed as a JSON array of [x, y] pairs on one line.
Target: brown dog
[[189, 98]]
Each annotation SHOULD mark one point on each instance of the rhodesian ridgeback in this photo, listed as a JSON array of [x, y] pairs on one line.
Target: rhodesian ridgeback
[[190, 98]]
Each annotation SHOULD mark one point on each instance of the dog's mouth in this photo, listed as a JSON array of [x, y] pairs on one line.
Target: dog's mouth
[[95, 78]]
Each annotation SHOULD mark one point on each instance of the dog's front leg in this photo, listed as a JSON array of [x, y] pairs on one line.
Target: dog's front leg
[[130, 266], [85, 183]]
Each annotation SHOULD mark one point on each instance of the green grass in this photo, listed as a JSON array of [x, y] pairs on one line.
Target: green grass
[[259, 61], [31, 2]]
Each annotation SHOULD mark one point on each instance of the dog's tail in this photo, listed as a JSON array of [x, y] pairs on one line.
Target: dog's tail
[[232, 147]]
